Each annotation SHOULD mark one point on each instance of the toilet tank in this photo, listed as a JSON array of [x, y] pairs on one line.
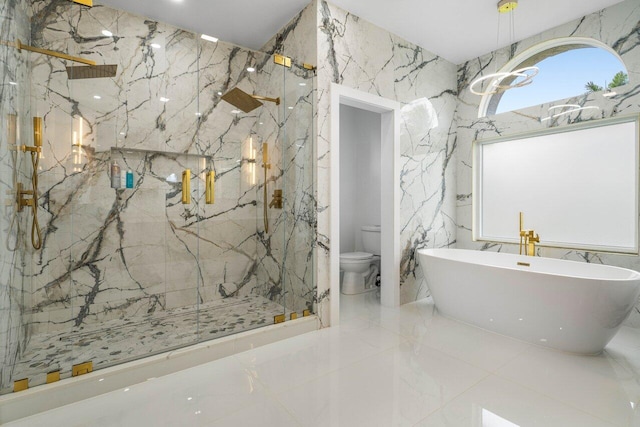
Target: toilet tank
[[371, 239]]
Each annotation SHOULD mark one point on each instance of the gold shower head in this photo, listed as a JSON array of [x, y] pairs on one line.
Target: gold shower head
[[245, 102], [91, 71]]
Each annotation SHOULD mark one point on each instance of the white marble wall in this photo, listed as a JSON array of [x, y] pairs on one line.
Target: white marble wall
[[357, 54], [616, 26], [14, 100]]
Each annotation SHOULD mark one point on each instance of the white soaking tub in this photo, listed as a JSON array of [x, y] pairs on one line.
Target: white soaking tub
[[571, 306]]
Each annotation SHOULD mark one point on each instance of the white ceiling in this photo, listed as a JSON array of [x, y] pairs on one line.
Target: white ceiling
[[457, 30]]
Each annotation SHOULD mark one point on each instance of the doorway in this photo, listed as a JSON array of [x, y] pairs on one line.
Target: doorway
[[389, 199]]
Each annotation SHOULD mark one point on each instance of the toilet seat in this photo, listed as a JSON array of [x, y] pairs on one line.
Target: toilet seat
[[355, 256]]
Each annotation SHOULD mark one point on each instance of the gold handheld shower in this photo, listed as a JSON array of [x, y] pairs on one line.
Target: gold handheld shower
[[36, 235], [247, 103]]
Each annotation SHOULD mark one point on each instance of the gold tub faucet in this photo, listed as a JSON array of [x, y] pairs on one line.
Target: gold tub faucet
[[528, 239]]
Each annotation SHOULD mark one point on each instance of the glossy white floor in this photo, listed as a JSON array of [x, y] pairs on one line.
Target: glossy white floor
[[383, 367]]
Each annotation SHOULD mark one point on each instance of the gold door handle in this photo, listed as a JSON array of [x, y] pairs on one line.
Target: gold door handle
[[186, 187], [210, 187]]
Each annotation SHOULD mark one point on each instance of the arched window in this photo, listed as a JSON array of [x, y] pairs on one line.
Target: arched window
[[568, 67]]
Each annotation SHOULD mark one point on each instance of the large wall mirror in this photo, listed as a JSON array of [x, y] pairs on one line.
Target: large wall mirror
[[577, 186]]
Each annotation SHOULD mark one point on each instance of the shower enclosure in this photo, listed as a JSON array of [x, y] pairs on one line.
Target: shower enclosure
[[176, 250]]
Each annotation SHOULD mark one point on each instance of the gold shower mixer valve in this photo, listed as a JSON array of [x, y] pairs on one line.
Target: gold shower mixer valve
[[26, 148], [23, 201]]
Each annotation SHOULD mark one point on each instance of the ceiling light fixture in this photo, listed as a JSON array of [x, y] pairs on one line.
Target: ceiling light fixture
[[97, 97], [155, 45], [107, 33], [251, 69], [163, 99], [572, 108], [209, 38], [526, 74]]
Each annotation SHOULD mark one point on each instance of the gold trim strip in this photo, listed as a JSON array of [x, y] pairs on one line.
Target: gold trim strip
[[293, 316], [282, 60], [306, 313], [84, 2], [53, 377], [280, 318], [81, 369], [20, 385], [308, 66], [524, 264]]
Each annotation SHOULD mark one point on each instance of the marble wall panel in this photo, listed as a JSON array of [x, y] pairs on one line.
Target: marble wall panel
[[357, 54], [616, 26]]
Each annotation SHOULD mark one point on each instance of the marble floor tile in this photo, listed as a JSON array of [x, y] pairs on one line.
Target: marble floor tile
[[499, 402], [383, 367], [598, 385]]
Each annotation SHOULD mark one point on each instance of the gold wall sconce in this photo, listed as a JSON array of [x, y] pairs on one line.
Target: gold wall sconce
[[186, 187], [210, 183]]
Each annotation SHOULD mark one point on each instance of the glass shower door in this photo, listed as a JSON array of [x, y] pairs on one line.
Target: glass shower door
[[299, 210]]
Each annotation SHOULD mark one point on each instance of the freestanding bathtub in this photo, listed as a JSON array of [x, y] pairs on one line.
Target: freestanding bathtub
[[571, 306]]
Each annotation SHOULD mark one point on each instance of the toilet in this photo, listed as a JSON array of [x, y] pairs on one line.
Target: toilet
[[360, 269]]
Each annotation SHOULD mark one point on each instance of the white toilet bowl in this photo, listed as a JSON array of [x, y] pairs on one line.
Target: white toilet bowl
[[359, 272]]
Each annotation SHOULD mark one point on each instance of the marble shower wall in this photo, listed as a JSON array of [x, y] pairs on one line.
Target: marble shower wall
[[115, 254], [14, 102], [618, 27], [354, 53]]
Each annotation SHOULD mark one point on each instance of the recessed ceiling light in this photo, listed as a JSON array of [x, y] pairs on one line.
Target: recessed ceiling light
[[198, 114], [127, 389], [235, 111], [97, 97], [219, 93], [261, 123], [121, 133], [155, 45], [163, 99], [250, 69], [13, 83], [209, 38], [302, 84], [107, 33], [290, 108]]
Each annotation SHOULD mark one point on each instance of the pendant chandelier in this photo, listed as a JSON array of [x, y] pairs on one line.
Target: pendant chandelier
[[499, 82]]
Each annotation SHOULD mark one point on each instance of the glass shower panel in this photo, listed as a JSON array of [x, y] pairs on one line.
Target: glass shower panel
[[135, 250], [235, 295], [15, 130], [298, 214], [269, 238]]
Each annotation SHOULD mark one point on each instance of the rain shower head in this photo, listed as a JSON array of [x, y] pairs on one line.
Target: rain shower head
[[245, 102], [91, 72]]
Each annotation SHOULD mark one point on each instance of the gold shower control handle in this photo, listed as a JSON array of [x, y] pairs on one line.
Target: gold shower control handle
[[186, 187], [210, 187]]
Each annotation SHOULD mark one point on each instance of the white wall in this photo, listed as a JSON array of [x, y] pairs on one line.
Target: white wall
[[360, 198]]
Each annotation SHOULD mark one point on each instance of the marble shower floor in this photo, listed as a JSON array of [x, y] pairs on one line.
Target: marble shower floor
[[122, 340]]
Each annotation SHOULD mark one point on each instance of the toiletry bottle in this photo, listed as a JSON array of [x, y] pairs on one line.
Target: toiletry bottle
[[115, 175], [129, 178]]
